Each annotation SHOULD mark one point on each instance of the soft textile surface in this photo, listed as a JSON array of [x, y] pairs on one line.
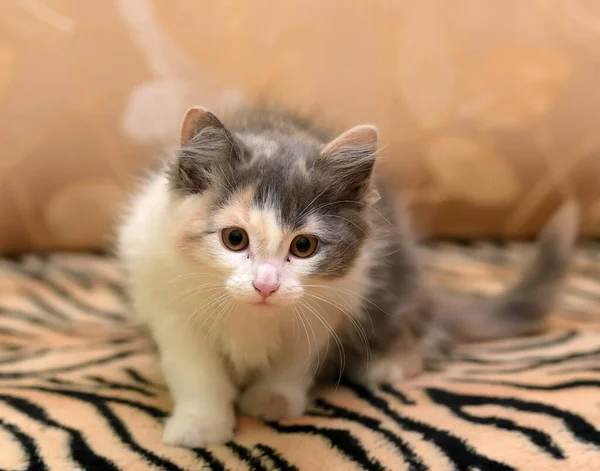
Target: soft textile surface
[[489, 109], [79, 387]]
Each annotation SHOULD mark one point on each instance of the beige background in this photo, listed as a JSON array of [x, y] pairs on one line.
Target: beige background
[[490, 110]]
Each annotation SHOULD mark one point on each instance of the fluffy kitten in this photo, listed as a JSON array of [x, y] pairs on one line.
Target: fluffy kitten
[[265, 253]]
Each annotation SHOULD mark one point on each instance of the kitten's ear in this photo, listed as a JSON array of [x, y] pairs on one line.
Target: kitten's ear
[[195, 120], [207, 148], [361, 139], [351, 157]]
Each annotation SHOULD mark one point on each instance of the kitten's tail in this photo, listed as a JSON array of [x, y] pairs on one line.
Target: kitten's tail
[[524, 308]]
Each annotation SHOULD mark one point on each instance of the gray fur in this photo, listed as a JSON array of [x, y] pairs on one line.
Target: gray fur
[[280, 155]]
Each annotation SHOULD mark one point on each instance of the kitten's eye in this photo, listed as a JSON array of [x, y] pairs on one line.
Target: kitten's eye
[[235, 238], [304, 246]]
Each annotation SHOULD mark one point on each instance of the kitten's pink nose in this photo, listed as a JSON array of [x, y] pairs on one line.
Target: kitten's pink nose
[[266, 281]]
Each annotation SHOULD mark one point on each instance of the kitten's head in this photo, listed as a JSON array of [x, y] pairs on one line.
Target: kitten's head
[[271, 209]]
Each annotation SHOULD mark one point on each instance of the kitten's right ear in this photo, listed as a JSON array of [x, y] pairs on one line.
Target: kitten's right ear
[[195, 120], [207, 147]]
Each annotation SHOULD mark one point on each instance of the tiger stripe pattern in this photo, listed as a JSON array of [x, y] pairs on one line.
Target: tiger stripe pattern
[[80, 387]]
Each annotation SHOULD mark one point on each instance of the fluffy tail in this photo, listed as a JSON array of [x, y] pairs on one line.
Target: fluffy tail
[[524, 308]]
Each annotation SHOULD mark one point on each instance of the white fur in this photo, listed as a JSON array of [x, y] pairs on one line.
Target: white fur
[[215, 342]]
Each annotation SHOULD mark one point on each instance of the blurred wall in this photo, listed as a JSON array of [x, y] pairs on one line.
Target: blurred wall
[[489, 110]]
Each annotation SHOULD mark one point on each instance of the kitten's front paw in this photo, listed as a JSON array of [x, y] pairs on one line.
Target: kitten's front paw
[[384, 370], [197, 430], [273, 403], [391, 369]]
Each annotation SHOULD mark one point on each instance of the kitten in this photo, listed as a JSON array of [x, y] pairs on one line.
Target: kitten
[[265, 256]]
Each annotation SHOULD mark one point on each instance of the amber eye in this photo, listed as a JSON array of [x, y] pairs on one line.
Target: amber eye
[[304, 246], [235, 238]]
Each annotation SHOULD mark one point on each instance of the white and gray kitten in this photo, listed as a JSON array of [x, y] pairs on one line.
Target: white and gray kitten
[[265, 255]]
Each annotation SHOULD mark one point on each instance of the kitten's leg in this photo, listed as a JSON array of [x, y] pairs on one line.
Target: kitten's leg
[[280, 392], [392, 366], [275, 397], [401, 345], [201, 390], [405, 356]]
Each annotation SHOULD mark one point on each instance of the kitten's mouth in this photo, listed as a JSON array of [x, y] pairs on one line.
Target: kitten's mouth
[[265, 304]]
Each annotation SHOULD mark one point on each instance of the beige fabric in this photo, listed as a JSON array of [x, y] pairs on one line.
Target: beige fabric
[[80, 387], [489, 110]]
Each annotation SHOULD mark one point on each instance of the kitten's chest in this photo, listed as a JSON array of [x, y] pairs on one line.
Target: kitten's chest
[[252, 347], [249, 346]]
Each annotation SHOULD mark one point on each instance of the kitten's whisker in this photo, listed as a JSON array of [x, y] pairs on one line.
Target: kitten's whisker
[[308, 360], [206, 292], [199, 308], [194, 290], [339, 291], [319, 364], [214, 300], [347, 291], [202, 285], [193, 314], [355, 323], [213, 304], [318, 350], [295, 326], [223, 306], [196, 275], [336, 338], [233, 305]]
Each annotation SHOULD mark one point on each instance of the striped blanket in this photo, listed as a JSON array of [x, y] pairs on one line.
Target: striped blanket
[[80, 387]]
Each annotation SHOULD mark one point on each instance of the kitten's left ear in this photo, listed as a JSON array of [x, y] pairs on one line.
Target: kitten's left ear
[[351, 157], [363, 137]]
